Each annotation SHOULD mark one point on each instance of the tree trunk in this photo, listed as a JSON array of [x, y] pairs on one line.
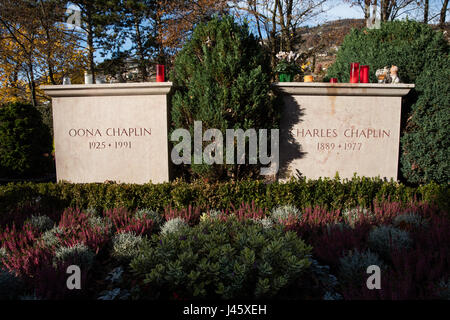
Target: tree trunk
[[142, 65], [284, 31], [255, 13], [374, 10], [366, 9], [160, 56], [290, 33], [32, 84], [272, 39], [443, 14], [426, 9], [384, 10], [14, 80], [90, 43], [51, 75], [49, 59]]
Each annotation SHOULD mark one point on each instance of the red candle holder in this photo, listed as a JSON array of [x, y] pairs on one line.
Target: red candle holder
[[333, 80], [354, 72], [364, 74], [159, 73]]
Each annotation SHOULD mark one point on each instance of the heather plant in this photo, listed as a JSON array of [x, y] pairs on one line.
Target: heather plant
[[25, 252], [190, 214], [414, 273], [285, 212], [336, 225], [247, 211], [125, 246], [229, 258], [332, 244], [153, 215], [13, 239], [386, 239], [41, 223], [318, 217], [78, 254], [353, 267], [174, 225], [76, 229], [123, 220]]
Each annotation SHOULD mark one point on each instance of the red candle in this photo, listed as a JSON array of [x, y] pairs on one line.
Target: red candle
[[159, 73], [333, 80], [364, 74], [354, 72]]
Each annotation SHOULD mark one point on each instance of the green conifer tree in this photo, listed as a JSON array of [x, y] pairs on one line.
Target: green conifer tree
[[222, 78]]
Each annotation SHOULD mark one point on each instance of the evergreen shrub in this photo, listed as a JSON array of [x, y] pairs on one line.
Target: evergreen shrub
[[25, 141], [222, 78], [421, 55], [222, 259]]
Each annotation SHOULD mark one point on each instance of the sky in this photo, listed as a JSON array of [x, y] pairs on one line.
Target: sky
[[334, 10], [339, 11]]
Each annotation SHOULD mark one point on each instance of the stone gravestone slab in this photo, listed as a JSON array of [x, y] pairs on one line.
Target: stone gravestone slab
[[111, 132], [340, 128]]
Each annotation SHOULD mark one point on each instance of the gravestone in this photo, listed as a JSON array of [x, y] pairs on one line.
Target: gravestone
[[343, 128], [111, 132]]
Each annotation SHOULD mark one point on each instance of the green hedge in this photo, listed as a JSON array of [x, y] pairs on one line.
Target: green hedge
[[329, 193]]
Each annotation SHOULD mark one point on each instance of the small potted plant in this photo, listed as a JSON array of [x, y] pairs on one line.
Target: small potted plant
[[286, 66]]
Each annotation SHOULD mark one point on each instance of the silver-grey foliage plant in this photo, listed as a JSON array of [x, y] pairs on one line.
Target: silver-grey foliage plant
[[284, 212], [409, 219], [267, 223], [78, 254], [50, 237], [125, 246], [173, 225], [353, 266], [42, 223], [384, 239], [353, 215]]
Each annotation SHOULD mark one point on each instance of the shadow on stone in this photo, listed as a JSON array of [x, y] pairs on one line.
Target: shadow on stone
[[290, 149]]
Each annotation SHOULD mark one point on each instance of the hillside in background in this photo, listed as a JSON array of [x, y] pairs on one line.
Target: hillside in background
[[324, 40]]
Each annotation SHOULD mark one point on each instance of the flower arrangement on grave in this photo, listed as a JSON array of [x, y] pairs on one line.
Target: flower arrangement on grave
[[307, 71], [286, 66]]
